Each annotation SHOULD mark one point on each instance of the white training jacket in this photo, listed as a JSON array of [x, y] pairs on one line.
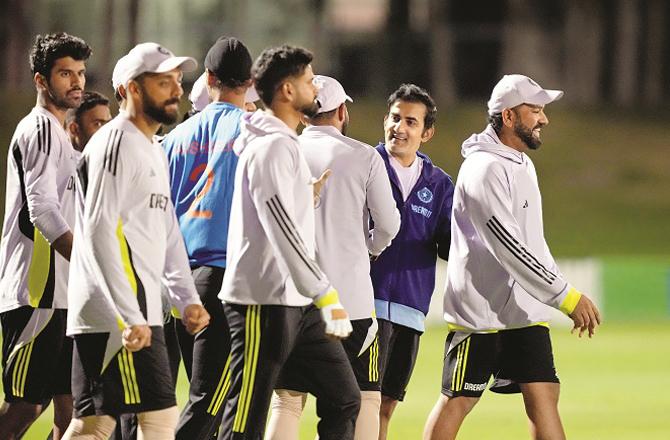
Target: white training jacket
[[39, 208], [127, 237], [500, 274], [270, 254], [358, 189]]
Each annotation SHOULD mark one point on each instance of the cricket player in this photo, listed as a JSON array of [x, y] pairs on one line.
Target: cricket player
[[357, 191], [403, 276], [37, 241], [202, 170], [85, 120], [501, 276], [279, 304], [127, 243]]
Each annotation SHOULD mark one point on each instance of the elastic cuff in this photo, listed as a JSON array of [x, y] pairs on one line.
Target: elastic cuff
[[328, 299], [570, 302]]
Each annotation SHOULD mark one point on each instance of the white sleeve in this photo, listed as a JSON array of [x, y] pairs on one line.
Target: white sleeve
[[271, 175], [488, 202], [110, 179], [40, 168], [177, 273], [382, 207]]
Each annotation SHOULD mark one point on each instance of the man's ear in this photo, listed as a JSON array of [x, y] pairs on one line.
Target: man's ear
[[73, 129], [342, 112], [212, 80], [40, 81], [285, 91], [427, 134], [508, 116]]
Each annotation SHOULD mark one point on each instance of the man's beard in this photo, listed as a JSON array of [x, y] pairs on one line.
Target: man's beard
[[345, 126], [158, 112], [63, 101], [310, 110], [526, 136]]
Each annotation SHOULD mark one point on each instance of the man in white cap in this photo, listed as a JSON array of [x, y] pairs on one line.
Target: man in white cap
[[357, 191], [128, 242], [202, 170], [501, 276]]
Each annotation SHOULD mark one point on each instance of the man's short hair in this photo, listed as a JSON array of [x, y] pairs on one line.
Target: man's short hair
[[495, 121], [88, 101], [414, 93], [48, 48], [276, 64]]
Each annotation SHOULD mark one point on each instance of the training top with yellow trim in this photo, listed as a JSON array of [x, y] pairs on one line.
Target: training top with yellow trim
[[127, 238], [39, 208], [501, 274]]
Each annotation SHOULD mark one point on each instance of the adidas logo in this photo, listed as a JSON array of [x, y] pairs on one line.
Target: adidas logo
[[525, 205]]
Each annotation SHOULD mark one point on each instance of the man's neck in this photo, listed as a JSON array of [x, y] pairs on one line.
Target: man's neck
[[44, 101], [406, 160], [286, 114], [235, 96]]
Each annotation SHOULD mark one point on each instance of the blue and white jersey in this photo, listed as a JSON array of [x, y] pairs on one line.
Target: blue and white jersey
[[202, 170]]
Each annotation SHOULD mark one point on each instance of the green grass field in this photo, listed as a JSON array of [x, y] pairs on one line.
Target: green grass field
[[615, 387]]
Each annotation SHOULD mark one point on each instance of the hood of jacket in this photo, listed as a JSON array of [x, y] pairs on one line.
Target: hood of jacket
[[488, 141], [257, 125]]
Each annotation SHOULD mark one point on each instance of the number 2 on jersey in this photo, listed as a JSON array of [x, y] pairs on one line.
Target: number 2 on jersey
[[194, 176]]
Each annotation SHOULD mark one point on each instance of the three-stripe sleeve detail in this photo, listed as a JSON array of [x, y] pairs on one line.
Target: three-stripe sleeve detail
[[20, 371], [44, 134], [221, 390], [131, 390], [291, 233], [252, 342], [111, 160], [519, 252], [373, 367]]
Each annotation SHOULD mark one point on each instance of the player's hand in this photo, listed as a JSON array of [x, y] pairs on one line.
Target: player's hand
[[195, 318], [334, 315], [586, 316], [317, 185], [136, 337]]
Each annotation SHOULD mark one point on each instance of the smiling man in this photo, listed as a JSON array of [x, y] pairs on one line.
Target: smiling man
[[37, 240], [501, 276], [403, 276], [127, 245]]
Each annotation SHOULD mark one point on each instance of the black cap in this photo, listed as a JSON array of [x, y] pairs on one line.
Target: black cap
[[229, 59]]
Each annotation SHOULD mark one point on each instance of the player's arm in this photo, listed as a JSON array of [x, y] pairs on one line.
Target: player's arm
[[269, 171], [40, 170], [178, 280], [382, 207], [111, 178], [489, 205], [443, 231]]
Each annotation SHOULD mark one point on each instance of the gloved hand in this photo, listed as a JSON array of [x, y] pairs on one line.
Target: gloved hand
[[333, 314]]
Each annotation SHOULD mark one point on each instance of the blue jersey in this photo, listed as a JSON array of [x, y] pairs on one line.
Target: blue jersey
[[202, 170]]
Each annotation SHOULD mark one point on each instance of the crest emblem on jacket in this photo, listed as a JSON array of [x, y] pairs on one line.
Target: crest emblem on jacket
[[425, 195]]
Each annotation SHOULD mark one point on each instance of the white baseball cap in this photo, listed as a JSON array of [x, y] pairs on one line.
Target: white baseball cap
[[149, 58], [513, 90], [331, 93]]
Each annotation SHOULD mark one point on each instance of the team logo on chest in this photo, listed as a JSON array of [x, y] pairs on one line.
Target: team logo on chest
[[425, 195]]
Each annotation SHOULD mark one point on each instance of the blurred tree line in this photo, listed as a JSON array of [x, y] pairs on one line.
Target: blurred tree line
[[600, 51]]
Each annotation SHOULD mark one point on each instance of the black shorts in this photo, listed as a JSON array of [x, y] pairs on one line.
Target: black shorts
[[130, 383], [510, 356], [36, 365], [274, 347], [398, 348], [362, 348]]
